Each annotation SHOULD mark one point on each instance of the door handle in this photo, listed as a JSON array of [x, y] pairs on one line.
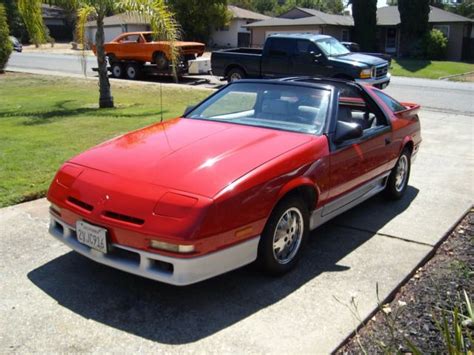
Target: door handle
[[388, 141]]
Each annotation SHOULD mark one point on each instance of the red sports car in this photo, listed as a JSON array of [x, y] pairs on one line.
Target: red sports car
[[243, 176]]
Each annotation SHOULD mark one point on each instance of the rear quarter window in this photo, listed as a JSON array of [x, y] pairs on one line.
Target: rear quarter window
[[393, 104]]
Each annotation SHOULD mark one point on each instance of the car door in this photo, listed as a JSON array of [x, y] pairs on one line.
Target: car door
[[130, 46], [358, 165], [276, 57], [308, 60]]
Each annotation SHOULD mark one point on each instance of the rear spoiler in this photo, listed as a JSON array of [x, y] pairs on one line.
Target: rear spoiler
[[410, 111]]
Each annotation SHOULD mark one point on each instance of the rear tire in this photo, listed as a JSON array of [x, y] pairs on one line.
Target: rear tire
[[398, 179], [161, 61], [117, 70], [235, 74], [284, 236], [133, 71]]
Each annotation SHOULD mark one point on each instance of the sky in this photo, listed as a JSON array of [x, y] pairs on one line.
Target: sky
[[381, 3]]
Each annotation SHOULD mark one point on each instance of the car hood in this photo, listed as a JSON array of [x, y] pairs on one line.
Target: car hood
[[196, 156], [359, 58]]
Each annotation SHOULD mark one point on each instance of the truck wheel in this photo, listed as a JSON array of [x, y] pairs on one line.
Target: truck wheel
[[117, 70], [398, 179], [284, 236], [133, 71], [235, 74], [161, 61]]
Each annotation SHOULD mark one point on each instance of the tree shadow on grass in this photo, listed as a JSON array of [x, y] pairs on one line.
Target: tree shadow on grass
[[413, 65], [174, 315], [61, 111]]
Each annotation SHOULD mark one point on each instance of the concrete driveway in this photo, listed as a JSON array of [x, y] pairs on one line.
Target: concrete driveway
[[54, 300]]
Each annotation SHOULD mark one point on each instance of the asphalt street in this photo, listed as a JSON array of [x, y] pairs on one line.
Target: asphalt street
[[54, 300], [432, 94]]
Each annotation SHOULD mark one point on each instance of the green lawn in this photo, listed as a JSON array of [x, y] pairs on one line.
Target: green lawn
[[46, 120], [428, 69]]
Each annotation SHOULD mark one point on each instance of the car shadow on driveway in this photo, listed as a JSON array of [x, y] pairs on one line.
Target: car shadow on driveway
[[180, 315]]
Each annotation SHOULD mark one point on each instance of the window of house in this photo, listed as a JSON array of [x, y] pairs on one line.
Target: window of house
[[444, 29]]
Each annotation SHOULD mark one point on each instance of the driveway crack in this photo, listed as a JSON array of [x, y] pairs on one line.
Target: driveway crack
[[383, 234]]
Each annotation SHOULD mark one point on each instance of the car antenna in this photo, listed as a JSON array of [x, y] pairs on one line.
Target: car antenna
[[161, 102]]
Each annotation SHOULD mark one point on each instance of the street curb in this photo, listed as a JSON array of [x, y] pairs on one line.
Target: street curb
[[112, 80], [455, 75], [391, 296]]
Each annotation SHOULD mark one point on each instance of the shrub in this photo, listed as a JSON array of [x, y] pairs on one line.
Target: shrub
[[5, 44], [436, 45]]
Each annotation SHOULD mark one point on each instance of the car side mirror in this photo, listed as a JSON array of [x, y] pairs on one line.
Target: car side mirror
[[188, 110], [346, 131]]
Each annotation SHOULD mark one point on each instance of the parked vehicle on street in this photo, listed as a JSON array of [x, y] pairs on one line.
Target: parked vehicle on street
[[17, 46], [242, 176], [355, 48], [300, 55], [129, 53]]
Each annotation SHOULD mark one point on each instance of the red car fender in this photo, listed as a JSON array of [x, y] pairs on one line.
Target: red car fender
[[301, 181]]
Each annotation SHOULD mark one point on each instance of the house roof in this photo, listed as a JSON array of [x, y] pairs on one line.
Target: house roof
[[389, 16], [121, 19], [316, 18], [240, 13], [52, 12]]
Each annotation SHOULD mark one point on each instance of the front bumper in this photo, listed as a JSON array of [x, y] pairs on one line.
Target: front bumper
[[380, 82], [171, 270]]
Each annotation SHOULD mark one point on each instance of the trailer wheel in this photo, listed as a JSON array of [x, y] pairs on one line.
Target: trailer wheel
[[133, 71], [161, 61], [117, 70]]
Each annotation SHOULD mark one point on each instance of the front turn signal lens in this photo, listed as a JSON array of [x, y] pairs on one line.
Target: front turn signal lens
[[175, 248], [366, 74]]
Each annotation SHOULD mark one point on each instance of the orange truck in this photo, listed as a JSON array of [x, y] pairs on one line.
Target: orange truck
[[129, 53]]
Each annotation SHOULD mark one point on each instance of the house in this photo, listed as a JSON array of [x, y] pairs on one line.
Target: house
[[116, 25], [457, 29], [235, 34], [302, 20], [56, 20]]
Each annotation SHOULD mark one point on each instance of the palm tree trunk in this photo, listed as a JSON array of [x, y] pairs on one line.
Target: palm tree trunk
[[105, 100]]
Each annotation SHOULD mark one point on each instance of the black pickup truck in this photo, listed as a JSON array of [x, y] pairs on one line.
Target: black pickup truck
[[300, 54]]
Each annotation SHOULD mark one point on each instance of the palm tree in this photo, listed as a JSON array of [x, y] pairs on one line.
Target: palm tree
[[155, 12]]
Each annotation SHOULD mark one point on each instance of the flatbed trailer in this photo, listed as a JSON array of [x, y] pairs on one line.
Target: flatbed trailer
[[134, 70]]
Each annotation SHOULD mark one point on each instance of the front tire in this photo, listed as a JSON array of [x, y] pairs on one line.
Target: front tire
[[284, 236], [398, 179]]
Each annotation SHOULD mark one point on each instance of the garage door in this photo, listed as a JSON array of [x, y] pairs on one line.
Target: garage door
[[269, 33]]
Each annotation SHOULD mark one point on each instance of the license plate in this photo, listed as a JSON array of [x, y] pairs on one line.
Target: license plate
[[92, 236]]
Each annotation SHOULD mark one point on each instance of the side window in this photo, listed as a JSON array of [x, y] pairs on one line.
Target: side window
[[130, 39], [305, 47], [354, 108], [393, 104], [280, 47]]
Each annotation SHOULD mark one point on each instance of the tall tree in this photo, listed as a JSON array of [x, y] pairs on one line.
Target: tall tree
[[155, 11], [198, 17], [364, 13], [414, 17], [15, 22], [5, 44]]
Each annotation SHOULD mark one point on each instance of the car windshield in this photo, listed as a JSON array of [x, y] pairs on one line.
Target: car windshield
[[277, 106], [332, 47]]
